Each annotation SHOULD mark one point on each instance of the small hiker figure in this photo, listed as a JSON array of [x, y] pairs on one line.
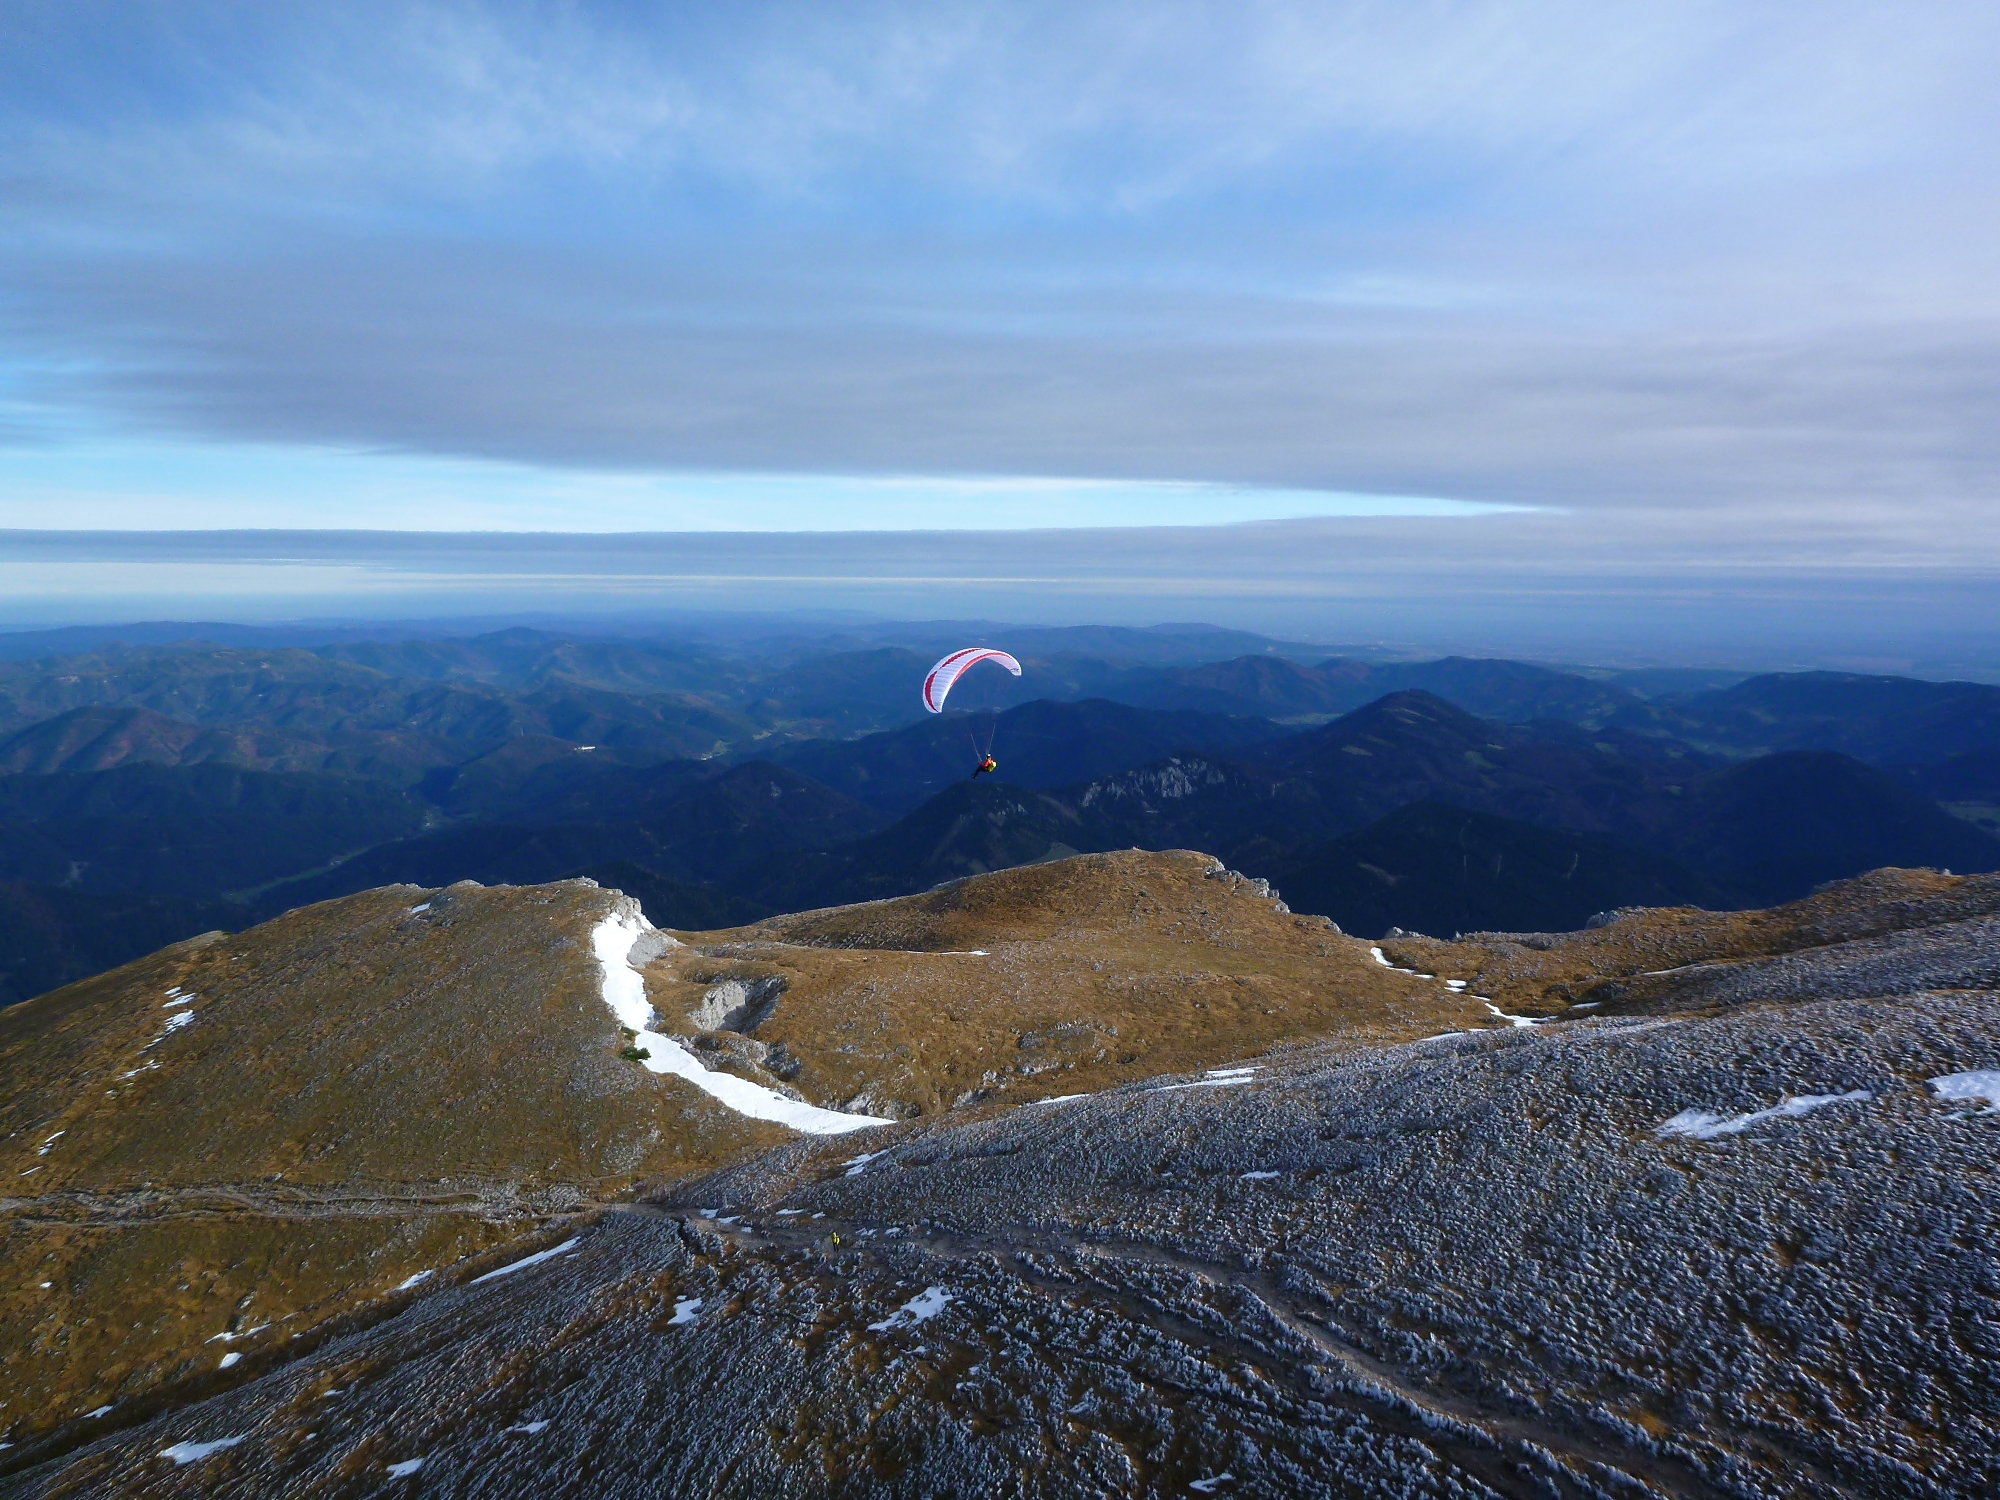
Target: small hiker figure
[[988, 764]]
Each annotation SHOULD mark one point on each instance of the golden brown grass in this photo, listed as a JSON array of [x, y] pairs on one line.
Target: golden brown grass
[[1095, 970], [363, 1093], [1571, 969]]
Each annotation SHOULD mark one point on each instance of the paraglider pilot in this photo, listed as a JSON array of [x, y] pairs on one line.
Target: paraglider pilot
[[938, 681]]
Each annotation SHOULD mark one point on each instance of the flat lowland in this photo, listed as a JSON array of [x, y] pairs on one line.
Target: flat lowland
[[1113, 1177]]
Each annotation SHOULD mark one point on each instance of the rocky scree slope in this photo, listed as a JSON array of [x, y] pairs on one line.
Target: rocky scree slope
[[1690, 1242]]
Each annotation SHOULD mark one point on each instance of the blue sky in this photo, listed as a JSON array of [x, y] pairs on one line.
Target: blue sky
[[1712, 282]]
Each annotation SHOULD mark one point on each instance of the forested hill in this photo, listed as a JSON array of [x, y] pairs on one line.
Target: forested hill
[[158, 789]]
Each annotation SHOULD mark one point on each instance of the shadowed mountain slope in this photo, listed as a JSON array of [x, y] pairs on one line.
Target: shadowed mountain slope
[[1777, 826], [1508, 691], [1966, 786], [1262, 686], [1883, 720], [968, 829], [1737, 835], [522, 658], [1440, 869], [729, 829], [363, 721], [52, 936], [1041, 744], [1412, 745], [197, 832], [516, 780], [99, 738], [718, 814], [673, 903], [1512, 692]]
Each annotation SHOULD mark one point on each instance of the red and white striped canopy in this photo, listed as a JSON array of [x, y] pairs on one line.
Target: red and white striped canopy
[[938, 681]]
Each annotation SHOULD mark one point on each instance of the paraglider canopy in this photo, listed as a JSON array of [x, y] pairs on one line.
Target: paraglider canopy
[[938, 681]]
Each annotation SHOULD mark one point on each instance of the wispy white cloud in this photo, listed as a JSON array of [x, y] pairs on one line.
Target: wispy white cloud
[[1730, 264]]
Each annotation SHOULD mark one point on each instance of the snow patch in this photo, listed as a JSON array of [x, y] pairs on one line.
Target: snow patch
[[1704, 1126], [625, 992], [526, 1261], [1215, 1078], [187, 1453], [1377, 955], [228, 1360], [1259, 1176], [856, 1165], [230, 1338], [1971, 1087], [925, 1305], [530, 1428], [686, 1310], [44, 1151], [407, 1467], [178, 1000], [417, 1280], [1208, 1486], [1502, 1015], [415, 909], [175, 1022]]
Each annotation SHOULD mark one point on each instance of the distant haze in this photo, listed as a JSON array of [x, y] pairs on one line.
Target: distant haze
[[1501, 585]]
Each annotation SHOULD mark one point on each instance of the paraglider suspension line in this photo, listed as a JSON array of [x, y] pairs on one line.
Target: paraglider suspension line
[[981, 750]]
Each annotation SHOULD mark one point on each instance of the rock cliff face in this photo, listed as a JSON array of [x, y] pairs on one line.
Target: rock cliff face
[[1685, 1204]]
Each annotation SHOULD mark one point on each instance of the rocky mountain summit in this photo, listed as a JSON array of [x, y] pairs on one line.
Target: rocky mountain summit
[[1108, 1175]]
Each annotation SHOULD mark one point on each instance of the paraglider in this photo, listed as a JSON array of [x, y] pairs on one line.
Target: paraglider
[[938, 683]]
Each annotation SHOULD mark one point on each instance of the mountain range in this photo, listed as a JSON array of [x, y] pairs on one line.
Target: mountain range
[[725, 777], [1658, 821]]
